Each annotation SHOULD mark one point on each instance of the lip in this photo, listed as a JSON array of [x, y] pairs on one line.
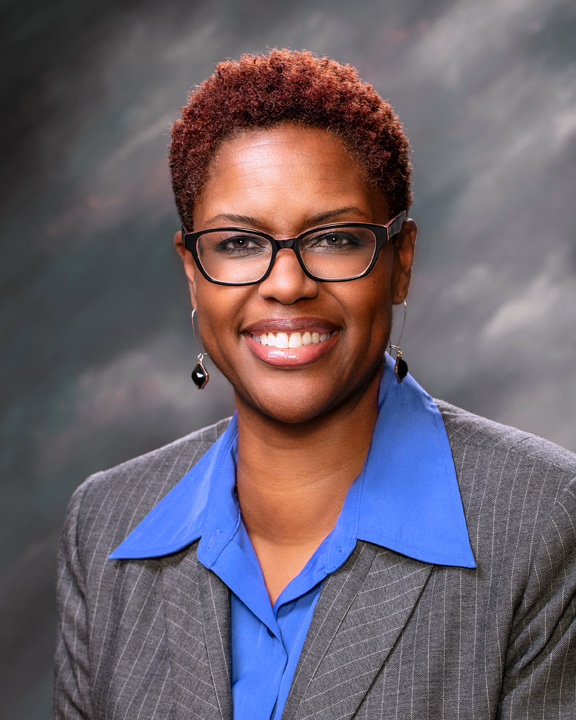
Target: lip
[[290, 357], [290, 324]]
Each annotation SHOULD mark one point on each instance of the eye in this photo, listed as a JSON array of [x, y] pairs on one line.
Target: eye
[[335, 240], [241, 244]]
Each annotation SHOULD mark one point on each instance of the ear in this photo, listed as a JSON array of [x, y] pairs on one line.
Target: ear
[[404, 244], [189, 265]]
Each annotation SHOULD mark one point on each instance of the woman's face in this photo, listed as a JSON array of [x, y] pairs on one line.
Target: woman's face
[[283, 181]]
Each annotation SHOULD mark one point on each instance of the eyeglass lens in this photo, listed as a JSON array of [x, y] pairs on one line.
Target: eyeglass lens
[[234, 256]]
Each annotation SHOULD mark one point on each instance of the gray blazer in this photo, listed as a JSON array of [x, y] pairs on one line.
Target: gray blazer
[[391, 637]]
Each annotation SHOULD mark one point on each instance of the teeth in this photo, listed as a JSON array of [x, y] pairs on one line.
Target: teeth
[[294, 340]]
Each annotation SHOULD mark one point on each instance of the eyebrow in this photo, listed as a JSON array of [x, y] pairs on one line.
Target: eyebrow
[[315, 219]]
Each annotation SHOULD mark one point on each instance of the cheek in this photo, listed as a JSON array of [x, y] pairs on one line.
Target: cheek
[[370, 301], [218, 312], [372, 312], [208, 311]]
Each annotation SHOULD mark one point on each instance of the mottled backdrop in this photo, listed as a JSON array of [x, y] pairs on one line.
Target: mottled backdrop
[[96, 342]]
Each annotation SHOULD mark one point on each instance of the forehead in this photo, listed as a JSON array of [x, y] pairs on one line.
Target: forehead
[[307, 143], [286, 172]]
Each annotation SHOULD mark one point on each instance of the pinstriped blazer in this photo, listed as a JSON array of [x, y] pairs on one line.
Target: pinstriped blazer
[[390, 637]]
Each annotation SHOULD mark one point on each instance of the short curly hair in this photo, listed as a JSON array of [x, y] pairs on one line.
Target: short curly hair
[[261, 91]]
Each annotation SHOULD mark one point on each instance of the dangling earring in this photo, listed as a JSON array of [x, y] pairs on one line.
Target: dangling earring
[[401, 367], [200, 375]]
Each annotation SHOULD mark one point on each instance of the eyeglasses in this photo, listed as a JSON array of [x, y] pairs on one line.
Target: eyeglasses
[[329, 253]]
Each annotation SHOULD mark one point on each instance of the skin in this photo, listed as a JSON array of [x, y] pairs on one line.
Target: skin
[[305, 417]]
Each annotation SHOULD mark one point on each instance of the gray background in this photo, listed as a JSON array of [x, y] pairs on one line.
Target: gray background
[[96, 342]]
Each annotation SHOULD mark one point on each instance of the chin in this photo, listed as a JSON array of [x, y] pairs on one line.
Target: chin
[[288, 410], [293, 415], [300, 397]]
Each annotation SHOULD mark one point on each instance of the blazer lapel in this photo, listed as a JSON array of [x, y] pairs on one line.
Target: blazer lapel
[[215, 601], [198, 629], [362, 609]]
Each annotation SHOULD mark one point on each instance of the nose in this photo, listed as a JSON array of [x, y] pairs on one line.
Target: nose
[[287, 282]]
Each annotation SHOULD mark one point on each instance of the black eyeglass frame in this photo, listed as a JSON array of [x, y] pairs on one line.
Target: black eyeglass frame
[[383, 234]]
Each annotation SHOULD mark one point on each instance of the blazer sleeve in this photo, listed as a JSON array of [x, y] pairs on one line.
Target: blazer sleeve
[[540, 678], [72, 684]]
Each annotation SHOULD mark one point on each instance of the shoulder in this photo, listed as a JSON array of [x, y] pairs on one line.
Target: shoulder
[[465, 429], [517, 489], [109, 504]]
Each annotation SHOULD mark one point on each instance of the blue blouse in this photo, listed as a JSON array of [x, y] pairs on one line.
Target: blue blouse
[[405, 499]]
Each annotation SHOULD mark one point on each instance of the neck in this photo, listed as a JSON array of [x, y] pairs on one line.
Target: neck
[[292, 479]]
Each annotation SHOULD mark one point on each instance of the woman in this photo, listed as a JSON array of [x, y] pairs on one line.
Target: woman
[[344, 546]]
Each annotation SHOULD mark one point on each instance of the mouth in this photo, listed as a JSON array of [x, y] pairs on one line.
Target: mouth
[[290, 342]]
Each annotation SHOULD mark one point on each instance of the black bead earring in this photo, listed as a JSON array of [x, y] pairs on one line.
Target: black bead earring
[[200, 375], [400, 367]]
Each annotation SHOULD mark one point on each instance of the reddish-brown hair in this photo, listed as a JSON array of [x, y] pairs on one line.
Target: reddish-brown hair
[[261, 91]]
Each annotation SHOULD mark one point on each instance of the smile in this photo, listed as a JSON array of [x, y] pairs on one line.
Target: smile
[[292, 340], [289, 347]]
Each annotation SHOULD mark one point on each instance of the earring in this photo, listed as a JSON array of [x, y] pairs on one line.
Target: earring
[[401, 367], [200, 375]]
